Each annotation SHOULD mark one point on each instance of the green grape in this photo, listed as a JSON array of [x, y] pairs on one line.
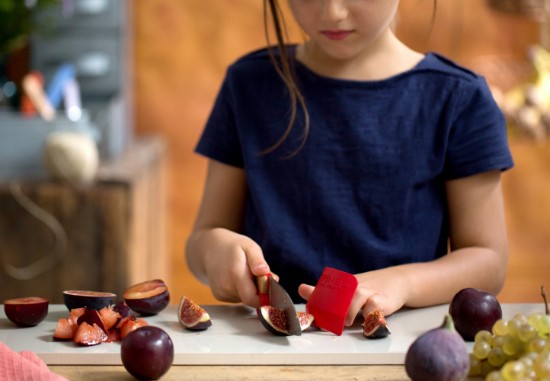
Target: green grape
[[475, 366], [542, 365], [484, 335], [534, 319], [514, 324], [486, 368], [511, 346], [498, 341], [496, 357], [494, 376], [526, 332], [536, 345], [481, 349], [500, 328], [513, 370], [544, 326]]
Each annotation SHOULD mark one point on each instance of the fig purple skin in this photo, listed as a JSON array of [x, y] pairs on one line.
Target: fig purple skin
[[474, 310], [147, 353], [26, 312], [439, 354]]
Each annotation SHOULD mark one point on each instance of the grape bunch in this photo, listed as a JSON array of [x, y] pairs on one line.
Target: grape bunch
[[516, 350]]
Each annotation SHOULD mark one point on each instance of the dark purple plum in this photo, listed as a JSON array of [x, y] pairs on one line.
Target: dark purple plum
[[474, 310], [439, 354], [147, 298], [90, 299], [147, 353], [26, 312]]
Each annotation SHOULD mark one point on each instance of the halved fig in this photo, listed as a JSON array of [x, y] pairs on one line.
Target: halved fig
[[147, 298], [274, 320], [374, 326], [305, 319], [26, 312], [90, 299], [192, 316]]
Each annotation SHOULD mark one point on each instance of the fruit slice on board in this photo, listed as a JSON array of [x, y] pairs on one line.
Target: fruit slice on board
[[147, 298], [192, 316], [330, 301]]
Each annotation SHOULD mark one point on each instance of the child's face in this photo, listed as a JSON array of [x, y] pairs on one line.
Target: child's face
[[343, 29]]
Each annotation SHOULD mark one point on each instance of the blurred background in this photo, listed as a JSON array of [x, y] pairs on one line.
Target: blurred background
[[148, 72]]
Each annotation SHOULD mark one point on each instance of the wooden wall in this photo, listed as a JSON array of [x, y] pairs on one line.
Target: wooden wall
[[182, 48]]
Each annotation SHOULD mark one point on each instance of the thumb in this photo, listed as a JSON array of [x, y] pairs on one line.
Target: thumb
[[255, 260], [305, 291]]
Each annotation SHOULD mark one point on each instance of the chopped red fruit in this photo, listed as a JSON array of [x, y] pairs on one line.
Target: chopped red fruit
[[109, 317], [131, 324], [64, 329], [87, 334]]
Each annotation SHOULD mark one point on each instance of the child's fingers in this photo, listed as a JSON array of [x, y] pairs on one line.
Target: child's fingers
[[255, 260]]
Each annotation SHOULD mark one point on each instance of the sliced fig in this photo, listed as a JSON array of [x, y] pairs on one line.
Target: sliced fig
[[26, 312], [147, 298], [375, 326], [192, 316], [305, 319], [274, 320], [90, 299]]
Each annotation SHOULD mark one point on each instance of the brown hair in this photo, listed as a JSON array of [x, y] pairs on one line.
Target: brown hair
[[284, 66]]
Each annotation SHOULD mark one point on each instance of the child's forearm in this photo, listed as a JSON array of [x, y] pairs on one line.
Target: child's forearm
[[436, 282]]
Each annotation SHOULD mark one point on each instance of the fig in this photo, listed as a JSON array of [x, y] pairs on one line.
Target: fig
[[274, 320], [26, 312], [374, 326], [147, 298], [306, 320], [192, 316], [147, 353], [90, 299], [439, 354], [474, 310]]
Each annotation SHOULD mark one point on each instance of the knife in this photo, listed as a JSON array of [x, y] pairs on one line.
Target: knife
[[279, 298]]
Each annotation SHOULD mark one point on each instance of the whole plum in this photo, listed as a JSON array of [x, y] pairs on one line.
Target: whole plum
[[474, 310], [439, 354], [147, 353]]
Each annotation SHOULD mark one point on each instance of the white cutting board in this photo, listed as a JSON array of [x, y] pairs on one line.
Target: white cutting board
[[237, 337]]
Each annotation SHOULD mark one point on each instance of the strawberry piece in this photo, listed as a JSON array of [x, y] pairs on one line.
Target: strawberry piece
[[87, 334], [65, 329]]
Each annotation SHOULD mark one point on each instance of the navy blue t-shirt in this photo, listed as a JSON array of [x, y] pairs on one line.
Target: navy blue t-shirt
[[367, 190]]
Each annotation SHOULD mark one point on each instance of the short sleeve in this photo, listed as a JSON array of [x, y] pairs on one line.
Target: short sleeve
[[478, 140], [220, 139]]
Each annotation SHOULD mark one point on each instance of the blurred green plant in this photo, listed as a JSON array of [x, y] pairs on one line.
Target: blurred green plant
[[17, 23]]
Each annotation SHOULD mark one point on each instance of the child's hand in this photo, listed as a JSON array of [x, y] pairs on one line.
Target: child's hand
[[380, 289], [232, 263]]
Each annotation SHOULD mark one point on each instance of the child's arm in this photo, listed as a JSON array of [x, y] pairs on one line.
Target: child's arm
[[216, 253], [478, 258]]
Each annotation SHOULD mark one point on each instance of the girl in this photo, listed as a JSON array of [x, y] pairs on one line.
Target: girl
[[352, 151]]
